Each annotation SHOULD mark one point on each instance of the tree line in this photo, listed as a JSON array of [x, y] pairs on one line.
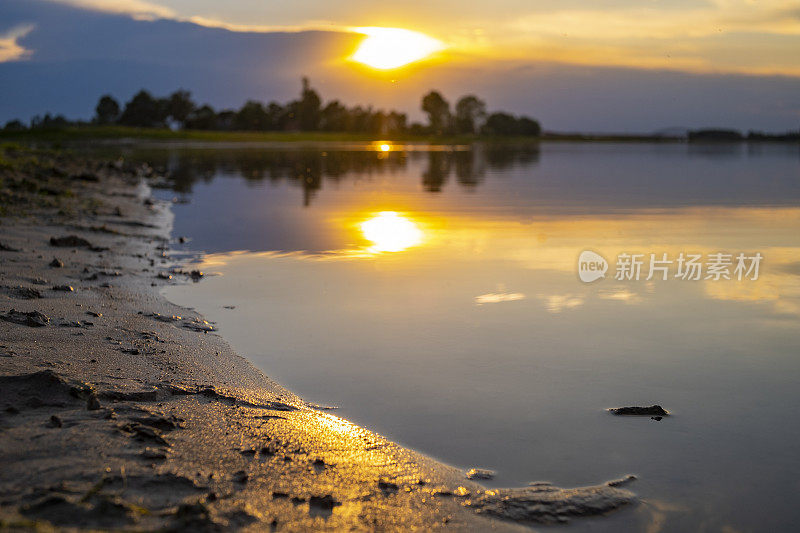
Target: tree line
[[307, 113]]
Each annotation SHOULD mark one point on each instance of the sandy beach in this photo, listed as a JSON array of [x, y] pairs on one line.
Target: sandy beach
[[120, 410]]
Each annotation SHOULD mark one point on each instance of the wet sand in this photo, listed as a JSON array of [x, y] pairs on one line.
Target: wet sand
[[121, 410]]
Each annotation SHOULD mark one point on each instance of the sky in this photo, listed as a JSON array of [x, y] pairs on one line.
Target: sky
[[588, 65], [750, 36]]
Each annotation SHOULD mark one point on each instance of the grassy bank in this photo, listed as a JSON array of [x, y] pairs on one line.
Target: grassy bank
[[78, 133]]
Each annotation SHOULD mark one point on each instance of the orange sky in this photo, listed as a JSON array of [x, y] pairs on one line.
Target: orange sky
[[745, 36]]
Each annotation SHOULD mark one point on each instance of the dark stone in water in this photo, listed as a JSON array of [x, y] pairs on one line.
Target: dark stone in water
[[480, 473], [653, 410], [57, 263], [546, 504], [70, 241]]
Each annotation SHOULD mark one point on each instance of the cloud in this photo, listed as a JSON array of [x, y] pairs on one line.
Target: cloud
[[138, 9], [717, 36], [322, 25], [10, 49], [655, 24], [143, 10]]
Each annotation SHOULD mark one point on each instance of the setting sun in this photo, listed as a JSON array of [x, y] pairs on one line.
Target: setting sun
[[388, 48], [391, 232]]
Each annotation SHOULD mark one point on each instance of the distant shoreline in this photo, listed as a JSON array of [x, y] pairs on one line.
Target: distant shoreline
[[79, 133]]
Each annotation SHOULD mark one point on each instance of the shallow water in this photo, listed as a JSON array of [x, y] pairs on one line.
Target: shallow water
[[474, 340]]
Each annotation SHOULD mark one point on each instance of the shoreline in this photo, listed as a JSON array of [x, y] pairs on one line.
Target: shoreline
[[123, 410], [126, 134]]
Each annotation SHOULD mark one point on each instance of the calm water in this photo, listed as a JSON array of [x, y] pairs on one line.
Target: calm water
[[473, 339]]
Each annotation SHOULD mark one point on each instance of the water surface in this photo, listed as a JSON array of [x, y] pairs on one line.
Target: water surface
[[474, 341]]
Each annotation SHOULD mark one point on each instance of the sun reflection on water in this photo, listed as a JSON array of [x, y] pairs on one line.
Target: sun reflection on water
[[390, 231]]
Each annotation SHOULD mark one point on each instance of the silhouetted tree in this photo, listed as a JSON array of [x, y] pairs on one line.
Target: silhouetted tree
[[506, 124], [203, 118], [179, 106], [14, 125], [226, 120], [438, 111], [334, 117], [528, 126], [377, 123], [107, 110], [49, 121], [252, 116], [417, 129], [396, 122], [276, 114], [143, 111], [470, 110], [305, 114], [359, 119], [308, 108], [500, 124]]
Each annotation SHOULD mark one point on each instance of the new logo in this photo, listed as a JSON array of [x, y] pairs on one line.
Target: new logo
[[591, 266]]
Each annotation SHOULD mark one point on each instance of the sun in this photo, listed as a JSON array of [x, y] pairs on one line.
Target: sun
[[388, 48], [391, 232]]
